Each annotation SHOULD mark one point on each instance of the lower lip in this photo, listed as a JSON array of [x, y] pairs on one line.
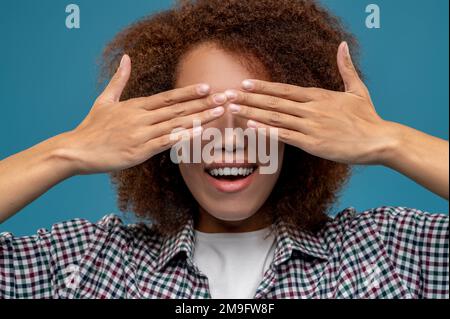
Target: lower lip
[[227, 186]]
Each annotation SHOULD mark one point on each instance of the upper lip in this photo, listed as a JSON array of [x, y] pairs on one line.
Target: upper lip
[[223, 165]]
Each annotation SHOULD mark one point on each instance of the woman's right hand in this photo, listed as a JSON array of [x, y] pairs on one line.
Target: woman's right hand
[[114, 136], [118, 135]]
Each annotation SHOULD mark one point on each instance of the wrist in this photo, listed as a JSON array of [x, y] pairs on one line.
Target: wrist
[[62, 154], [394, 144]]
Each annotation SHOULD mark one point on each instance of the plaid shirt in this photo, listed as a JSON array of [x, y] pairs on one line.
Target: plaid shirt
[[387, 252]]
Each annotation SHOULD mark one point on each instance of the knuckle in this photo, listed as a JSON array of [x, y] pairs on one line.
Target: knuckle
[[133, 136], [309, 93], [285, 135], [168, 98], [164, 142], [317, 125], [313, 90], [206, 114], [174, 123], [285, 90], [315, 144], [305, 110], [243, 98], [178, 110], [322, 94], [130, 154], [248, 112], [260, 86], [206, 103], [316, 113], [127, 104], [209, 101], [193, 91], [313, 126], [275, 118], [273, 102]]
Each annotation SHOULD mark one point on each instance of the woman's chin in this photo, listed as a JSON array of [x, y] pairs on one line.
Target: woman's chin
[[229, 212], [232, 216]]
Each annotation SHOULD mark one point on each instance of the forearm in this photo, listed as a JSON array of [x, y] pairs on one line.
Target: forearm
[[29, 174], [421, 157]]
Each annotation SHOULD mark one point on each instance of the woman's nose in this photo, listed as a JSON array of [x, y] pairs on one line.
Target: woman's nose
[[230, 120]]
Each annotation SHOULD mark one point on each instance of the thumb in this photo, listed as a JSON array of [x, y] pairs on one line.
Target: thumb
[[113, 91], [352, 82]]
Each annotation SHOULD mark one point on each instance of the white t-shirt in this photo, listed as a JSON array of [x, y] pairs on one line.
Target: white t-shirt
[[234, 262]]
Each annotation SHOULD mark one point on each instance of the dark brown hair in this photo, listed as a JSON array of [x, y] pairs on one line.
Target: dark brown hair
[[296, 41]]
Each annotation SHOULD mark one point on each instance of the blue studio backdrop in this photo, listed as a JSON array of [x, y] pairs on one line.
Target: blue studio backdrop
[[48, 82]]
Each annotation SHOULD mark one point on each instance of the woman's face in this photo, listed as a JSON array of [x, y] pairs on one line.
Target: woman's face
[[226, 198]]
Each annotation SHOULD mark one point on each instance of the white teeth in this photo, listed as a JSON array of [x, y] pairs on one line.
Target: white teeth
[[231, 171]]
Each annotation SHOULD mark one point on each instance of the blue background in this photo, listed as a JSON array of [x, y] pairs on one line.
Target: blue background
[[48, 81]]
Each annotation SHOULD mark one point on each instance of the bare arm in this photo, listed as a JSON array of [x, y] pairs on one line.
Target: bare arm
[[421, 157], [29, 174]]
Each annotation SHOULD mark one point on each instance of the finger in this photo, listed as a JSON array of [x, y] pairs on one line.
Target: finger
[[114, 89], [172, 97], [271, 118], [291, 137], [185, 122], [185, 108], [271, 103], [352, 81], [163, 143], [286, 91]]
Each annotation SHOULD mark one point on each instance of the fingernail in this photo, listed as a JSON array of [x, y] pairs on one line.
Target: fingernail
[[122, 61], [346, 49], [218, 111], [234, 108], [122, 64], [220, 98], [248, 85], [231, 95], [203, 89], [252, 124]]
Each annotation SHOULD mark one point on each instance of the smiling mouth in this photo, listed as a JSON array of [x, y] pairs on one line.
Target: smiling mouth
[[231, 173], [231, 178]]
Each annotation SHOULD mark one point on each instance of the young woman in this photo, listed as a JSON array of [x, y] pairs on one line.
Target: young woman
[[225, 229]]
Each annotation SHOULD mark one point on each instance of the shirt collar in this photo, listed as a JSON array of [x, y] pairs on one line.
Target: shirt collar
[[305, 242], [287, 241], [176, 244]]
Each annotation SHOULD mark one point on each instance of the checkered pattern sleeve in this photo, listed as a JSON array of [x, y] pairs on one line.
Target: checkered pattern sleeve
[[418, 243], [36, 266]]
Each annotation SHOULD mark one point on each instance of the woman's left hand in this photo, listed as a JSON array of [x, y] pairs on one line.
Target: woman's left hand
[[339, 126], [343, 126]]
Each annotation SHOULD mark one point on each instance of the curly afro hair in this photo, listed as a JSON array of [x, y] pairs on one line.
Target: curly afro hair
[[295, 40]]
